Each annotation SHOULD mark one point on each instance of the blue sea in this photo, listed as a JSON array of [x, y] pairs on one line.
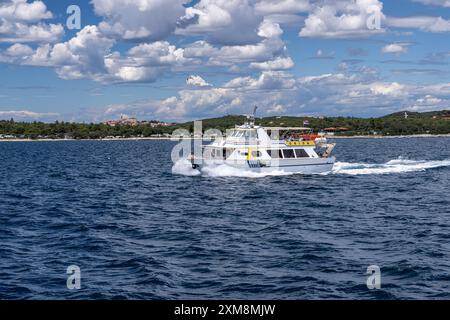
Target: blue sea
[[139, 227]]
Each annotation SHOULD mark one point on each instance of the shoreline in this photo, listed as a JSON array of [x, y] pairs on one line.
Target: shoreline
[[177, 139], [391, 137]]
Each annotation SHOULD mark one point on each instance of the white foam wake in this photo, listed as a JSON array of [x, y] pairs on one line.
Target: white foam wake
[[183, 167], [393, 166], [400, 165], [224, 170]]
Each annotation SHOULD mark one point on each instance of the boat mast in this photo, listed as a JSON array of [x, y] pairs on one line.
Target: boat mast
[[251, 118]]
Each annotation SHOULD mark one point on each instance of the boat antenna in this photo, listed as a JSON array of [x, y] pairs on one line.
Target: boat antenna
[[251, 118]]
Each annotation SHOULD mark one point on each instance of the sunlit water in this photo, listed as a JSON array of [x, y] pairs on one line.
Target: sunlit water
[[139, 226]]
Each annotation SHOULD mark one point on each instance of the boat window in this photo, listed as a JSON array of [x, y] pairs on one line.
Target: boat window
[[288, 153], [301, 153], [275, 153], [256, 154]]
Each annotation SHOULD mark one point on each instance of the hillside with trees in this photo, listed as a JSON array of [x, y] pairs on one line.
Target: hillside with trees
[[436, 122]]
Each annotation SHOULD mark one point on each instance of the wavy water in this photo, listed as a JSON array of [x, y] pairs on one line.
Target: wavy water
[[140, 227]]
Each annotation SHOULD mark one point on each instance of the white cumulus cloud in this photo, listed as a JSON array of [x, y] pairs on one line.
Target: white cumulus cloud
[[282, 6], [423, 23], [22, 21], [342, 19], [197, 81], [21, 10], [388, 89], [395, 48], [139, 20], [429, 103], [226, 22], [276, 64]]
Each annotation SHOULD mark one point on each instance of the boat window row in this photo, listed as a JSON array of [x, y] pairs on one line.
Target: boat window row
[[288, 153], [224, 153]]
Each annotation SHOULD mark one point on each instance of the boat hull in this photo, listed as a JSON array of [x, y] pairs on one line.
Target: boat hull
[[309, 166]]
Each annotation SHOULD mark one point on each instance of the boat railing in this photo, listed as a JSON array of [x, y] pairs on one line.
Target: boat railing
[[242, 141]]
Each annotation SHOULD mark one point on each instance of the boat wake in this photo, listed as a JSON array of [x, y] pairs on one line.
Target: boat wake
[[183, 167], [400, 165], [228, 171]]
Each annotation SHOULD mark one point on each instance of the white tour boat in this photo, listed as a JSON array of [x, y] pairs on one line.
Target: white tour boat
[[268, 149]]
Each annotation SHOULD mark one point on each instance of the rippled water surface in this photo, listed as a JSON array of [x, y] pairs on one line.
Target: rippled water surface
[[138, 230]]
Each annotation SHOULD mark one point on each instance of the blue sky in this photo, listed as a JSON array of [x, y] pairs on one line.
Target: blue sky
[[180, 60]]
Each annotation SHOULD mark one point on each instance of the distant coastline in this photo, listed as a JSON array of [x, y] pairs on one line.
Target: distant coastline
[[400, 124], [404, 124], [168, 138], [394, 136]]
